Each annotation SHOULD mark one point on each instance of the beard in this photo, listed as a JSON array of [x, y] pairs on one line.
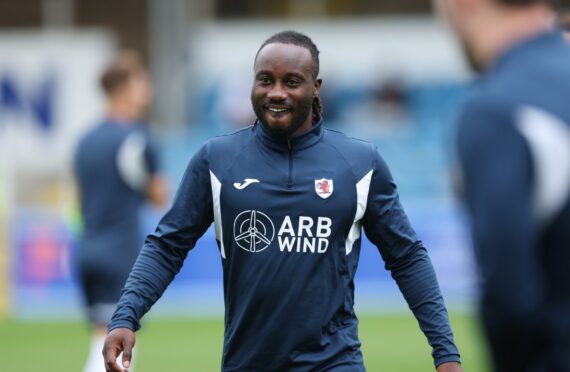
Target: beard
[[298, 118]]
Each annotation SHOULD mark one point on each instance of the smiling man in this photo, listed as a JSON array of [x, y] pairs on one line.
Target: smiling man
[[288, 199], [286, 111]]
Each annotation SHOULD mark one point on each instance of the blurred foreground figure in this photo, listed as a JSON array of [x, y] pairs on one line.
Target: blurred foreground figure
[[116, 171], [288, 199], [514, 149]]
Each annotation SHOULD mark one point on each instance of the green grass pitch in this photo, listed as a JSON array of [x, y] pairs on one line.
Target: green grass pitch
[[390, 343]]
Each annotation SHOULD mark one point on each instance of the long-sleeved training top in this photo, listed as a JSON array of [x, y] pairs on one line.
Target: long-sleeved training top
[[514, 149], [288, 217]]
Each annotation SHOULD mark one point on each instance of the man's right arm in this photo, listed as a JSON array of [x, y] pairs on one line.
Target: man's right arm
[[164, 250]]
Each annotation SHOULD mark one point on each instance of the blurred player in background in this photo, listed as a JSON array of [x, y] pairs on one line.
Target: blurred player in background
[[514, 152], [116, 170], [288, 198]]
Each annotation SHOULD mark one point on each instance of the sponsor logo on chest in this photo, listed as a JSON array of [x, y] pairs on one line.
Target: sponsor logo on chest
[[254, 231]]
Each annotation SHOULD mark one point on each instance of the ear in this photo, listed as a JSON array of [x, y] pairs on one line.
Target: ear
[[317, 87]]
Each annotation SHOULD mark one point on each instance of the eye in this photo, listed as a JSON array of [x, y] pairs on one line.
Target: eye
[[293, 82], [264, 80]]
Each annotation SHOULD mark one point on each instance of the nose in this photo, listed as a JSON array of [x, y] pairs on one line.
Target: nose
[[277, 93]]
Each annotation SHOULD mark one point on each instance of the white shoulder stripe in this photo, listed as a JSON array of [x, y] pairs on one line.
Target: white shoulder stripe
[[216, 189], [362, 189], [549, 141], [131, 163]]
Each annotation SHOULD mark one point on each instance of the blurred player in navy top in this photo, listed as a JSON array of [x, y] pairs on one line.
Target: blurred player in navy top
[[514, 152], [289, 199], [116, 171]]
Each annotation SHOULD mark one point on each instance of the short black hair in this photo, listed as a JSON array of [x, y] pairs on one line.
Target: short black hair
[[126, 64], [298, 39]]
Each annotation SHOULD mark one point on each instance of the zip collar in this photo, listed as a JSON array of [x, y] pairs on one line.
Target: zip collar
[[280, 143]]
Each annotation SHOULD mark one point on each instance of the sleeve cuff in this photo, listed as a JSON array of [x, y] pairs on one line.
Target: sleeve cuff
[[446, 359], [122, 324]]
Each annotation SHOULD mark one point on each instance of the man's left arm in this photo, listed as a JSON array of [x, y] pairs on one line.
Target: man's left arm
[[387, 226]]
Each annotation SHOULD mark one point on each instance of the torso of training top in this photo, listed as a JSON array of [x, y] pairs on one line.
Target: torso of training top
[[288, 218], [112, 164]]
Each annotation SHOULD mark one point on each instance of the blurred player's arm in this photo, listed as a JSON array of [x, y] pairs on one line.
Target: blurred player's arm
[[157, 190], [387, 226], [157, 185], [138, 166], [497, 187]]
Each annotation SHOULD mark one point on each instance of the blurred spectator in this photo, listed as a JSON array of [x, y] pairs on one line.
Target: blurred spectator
[[392, 104], [384, 109], [117, 170]]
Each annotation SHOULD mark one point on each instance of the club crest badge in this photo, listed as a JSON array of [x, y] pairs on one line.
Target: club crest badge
[[324, 187]]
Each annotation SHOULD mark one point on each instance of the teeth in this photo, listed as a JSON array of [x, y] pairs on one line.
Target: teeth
[[272, 109]]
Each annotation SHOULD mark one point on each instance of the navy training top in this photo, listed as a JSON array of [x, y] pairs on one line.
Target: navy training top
[[112, 164], [288, 217], [514, 150]]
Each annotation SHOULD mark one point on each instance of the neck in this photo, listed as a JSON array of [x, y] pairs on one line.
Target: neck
[[281, 136], [307, 125], [122, 111], [507, 26]]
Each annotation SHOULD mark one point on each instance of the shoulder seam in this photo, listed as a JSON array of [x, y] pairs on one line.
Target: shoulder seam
[[346, 160], [238, 131], [348, 137], [238, 151]]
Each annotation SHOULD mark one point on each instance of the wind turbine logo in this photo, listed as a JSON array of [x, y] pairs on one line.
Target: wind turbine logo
[[253, 231]]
